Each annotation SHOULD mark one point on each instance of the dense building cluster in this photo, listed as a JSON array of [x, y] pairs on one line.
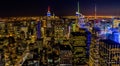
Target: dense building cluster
[[59, 41]]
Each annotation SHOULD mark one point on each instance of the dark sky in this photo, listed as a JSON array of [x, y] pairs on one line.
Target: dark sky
[[59, 7]]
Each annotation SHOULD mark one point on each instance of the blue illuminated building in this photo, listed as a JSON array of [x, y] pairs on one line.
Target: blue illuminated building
[[77, 13], [39, 30], [48, 14], [88, 41], [109, 48], [115, 36]]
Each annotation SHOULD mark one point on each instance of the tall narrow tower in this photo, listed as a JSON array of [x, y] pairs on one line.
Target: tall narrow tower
[[95, 11], [48, 13], [78, 9], [80, 17]]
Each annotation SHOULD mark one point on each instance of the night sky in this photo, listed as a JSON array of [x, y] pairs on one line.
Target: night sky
[[59, 7]]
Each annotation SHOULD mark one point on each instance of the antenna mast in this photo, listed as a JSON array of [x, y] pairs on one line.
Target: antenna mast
[[95, 10]]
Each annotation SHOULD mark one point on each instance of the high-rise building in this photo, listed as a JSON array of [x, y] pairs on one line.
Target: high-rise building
[[65, 55], [78, 12], [80, 42], [94, 51], [48, 13], [109, 53], [80, 18], [116, 23], [38, 30], [109, 49]]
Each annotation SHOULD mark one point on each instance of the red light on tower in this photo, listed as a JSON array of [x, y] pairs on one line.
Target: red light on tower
[[48, 8], [48, 13]]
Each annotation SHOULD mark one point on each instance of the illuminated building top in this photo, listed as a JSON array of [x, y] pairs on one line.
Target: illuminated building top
[[78, 12], [48, 13]]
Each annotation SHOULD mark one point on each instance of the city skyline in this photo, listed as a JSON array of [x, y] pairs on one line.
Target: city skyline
[[83, 33], [59, 7]]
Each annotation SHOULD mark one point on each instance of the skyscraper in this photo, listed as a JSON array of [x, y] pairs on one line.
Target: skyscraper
[[78, 12], [48, 13], [38, 30]]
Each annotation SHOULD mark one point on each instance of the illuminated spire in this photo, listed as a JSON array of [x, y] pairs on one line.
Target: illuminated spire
[[95, 11], [48, 8], [78, 7], [48, 13]]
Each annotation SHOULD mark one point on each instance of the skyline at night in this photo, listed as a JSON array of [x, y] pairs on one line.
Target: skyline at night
[[59, 7], [60, 33]]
